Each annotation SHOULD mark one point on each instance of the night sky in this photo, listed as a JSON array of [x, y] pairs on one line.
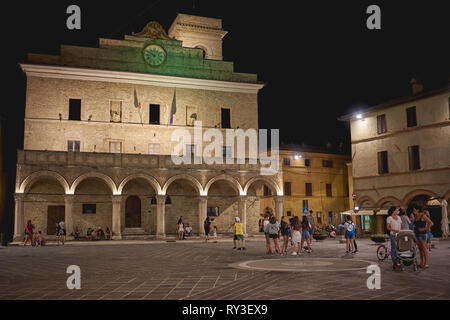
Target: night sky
[[317, 57]]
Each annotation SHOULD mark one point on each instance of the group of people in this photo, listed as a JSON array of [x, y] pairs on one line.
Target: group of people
[[37, 240], [292, 231], [92, 234], [183, 230], [418, 221]]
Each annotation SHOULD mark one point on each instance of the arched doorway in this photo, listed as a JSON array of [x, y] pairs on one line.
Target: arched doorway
[[133, 212]]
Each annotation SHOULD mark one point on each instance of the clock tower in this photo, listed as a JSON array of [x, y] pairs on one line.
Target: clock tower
[[201, 33]]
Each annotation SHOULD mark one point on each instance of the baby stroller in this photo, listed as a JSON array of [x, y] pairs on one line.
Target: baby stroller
[[405, 243]]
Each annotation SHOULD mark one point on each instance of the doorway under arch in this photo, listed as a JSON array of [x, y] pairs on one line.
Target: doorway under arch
[[133, 212]]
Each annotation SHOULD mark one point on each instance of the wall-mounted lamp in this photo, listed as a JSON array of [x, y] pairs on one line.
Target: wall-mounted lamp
[[90, 118], [359, 116], [60, 117]]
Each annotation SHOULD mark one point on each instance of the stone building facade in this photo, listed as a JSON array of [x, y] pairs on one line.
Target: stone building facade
[[312, 180], [401, 151], [99, 124]]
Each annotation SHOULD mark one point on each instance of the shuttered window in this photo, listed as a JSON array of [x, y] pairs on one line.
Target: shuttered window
[[411, 117], [381, 124], [383, 162], [414, 158]]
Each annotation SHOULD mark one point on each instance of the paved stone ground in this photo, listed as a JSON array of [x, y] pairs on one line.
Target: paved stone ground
[[196, 271]]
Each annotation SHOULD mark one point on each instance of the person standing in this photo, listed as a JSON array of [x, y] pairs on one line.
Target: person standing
[[273, 229], [427, 213], [266, 232], [311, 225], [62, 230], [350, 231], [28, 233], [285, 233], [421, 225], [394, 225], [306, 236], [296, 236], [207, 228], [405, 220], [239, 234]]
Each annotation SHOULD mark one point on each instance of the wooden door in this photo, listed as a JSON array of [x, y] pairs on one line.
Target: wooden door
[[133, 212], [55, 214]]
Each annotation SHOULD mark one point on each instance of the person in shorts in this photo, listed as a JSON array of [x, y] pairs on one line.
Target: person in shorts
[[239, 234], [273, 228], [296, 227], [350, 231], [285, 230], [306, 236], [266, 233]]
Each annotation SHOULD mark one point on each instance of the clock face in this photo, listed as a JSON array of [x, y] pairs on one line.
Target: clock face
[[154, 55]]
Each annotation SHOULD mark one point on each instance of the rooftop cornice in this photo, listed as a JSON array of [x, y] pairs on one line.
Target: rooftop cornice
[[61, 72]]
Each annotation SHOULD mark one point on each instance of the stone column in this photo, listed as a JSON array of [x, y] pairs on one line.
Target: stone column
[[279, 209], [202, 209], [19, 223], [160, 217], [243, 212], [116, 225], [69, 199]]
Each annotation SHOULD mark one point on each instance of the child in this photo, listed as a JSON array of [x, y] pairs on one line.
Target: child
[[215, 233], [239, 234], [40, 241], [296, 236]]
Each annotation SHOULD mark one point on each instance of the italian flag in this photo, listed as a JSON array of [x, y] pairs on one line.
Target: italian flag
[[137, 104]]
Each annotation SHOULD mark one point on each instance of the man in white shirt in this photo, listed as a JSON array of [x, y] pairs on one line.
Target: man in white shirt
[[394, 225]]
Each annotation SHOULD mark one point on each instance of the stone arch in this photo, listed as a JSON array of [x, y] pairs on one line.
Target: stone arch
[[411, 195], [109, 182], [394, 200], [236, 185], [205, 49], [193, 180], [35, 176], [151, 180], [364, 199], [272, 184]]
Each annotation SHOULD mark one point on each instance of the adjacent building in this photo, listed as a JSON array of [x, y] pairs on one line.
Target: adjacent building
[[98, 128], [313, 180], [401, 152]]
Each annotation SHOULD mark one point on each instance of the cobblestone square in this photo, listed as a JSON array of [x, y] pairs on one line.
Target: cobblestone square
[[195, 270]]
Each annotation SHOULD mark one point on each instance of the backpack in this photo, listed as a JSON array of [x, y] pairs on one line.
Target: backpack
[[351, 229], [273, 228]]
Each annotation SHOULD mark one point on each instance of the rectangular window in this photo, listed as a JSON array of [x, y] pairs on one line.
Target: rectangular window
[[288, 213], [73, 146], [305, 205], [308, 187], [154, 148], [319, 217], [329, 192], [212, 211], [381, 124], [287, 161], [330, 217], [383, 162], [226, 118], [89, 208], [327, 163], [411, 117], [307, 163], [287, 188], [75, 109], [267, 191], [115, 110], [414, 158], [154, 114], [115, 147]]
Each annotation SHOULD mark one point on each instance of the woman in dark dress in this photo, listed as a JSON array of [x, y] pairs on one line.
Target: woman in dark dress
[[207, 227], [421, 226]]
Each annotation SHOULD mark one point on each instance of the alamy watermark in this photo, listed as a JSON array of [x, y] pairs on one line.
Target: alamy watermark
[[233, 147]]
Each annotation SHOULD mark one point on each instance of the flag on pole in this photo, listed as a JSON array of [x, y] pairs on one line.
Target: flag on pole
[[174, 107], [137, 104]]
